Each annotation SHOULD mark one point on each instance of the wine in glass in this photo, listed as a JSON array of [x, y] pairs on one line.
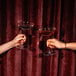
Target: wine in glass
[[44, 35], [24, 28]]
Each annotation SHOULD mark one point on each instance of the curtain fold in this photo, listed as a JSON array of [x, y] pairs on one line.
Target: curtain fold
[[59, 14]]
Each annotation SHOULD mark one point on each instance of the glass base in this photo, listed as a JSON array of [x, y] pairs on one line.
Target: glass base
[[21, 47], [49, 53]]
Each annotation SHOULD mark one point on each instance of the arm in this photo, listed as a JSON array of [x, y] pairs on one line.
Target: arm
[[18, 40], [52, 43], [71, 45]]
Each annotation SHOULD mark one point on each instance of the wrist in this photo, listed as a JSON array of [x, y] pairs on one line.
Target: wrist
[[64, 46]]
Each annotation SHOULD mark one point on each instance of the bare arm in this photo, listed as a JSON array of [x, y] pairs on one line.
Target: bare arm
[[71, 45], [52, 43], [6, 46], [18, 40]]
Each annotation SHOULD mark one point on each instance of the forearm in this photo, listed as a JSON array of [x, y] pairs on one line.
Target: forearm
[[5, 47], [70, 46]]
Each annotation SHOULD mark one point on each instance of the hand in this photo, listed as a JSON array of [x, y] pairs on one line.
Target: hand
[[19, 39], [54, 43]]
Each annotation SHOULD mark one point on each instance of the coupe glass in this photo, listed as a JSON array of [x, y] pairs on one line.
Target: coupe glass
[[44, 35], [24, 28]]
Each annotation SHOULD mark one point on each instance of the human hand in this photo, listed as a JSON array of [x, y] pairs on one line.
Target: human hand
[[19, 39], [54, 43]]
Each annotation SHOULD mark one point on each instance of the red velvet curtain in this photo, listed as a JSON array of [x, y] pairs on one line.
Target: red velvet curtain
[[43, 13]]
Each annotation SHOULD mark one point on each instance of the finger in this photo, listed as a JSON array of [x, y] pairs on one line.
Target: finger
[[50, 46], [49, 42], [22, 41], [24, 37], [21, 35]]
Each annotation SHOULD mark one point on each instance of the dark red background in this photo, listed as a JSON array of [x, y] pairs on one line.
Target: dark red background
[[58, 13]]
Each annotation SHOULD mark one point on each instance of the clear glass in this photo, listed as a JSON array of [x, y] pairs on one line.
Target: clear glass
[[20, 31], [44, 35], [24, 28]]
